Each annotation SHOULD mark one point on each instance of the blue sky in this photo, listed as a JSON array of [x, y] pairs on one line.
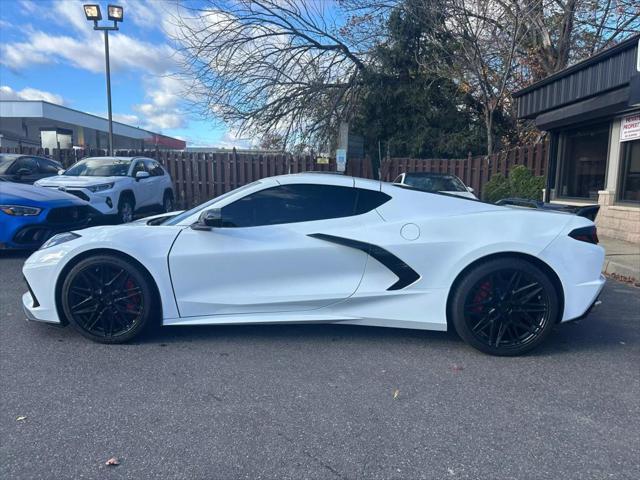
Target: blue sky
[[49, 51]]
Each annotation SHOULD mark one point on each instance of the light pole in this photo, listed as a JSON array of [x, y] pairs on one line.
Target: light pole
[[116, 14]]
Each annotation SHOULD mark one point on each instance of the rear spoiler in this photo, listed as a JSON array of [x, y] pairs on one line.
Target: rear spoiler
[[587, 211]]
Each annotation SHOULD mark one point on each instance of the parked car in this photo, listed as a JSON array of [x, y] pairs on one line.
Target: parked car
[[30, 215], [27, 168], [435, 183], [117, 186], [586, 211], [310, 248]]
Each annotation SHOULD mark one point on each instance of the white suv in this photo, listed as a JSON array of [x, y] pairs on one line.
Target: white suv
[[118, 186]]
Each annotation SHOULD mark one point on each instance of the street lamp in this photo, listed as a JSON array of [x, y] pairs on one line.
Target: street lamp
[[115, 13]]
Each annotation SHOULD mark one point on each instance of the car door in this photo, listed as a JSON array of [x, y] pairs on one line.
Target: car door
[[24, 170], [142, 189], [155, 182], [263, 258]]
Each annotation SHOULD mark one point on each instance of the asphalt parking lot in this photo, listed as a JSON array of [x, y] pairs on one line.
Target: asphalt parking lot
[[318, 401]]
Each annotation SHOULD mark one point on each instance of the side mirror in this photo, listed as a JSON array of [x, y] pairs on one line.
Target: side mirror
[[471, 190], [141, 175], [209, 219], [61, 171]]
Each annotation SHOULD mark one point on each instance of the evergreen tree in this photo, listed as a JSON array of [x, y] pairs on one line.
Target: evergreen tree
[[411, 111]]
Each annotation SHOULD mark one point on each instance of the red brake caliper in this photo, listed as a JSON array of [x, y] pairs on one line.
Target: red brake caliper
[[481, 294], [134, 301]]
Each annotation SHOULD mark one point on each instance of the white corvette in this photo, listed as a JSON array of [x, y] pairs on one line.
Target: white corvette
[[326, 248]]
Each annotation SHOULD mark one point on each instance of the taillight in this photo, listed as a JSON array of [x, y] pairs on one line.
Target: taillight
[[585, 234]]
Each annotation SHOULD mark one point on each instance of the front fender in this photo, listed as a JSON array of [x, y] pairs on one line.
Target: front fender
[[148, 245]]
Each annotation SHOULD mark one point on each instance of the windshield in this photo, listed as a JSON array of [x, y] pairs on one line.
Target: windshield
[[100, 167], [178, 218], [439, 183], [5, 162]]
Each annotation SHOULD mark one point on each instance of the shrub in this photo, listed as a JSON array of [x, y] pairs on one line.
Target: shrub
[[521, 183]]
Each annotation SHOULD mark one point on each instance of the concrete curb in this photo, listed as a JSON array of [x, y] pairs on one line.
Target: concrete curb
[[618, 269]]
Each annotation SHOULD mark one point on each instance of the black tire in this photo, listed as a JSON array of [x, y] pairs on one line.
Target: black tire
[[167, 202], [505, 307], [126, 209], [107, 299]]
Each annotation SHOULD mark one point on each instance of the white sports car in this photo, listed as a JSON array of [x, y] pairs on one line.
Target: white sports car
[[326, 248]]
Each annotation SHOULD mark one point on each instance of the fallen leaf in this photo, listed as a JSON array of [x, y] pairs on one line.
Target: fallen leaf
[[396, 393], [21, 418], [113, 461], [457, 368]]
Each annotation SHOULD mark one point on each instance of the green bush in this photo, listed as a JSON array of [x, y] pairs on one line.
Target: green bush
[[520, 183]]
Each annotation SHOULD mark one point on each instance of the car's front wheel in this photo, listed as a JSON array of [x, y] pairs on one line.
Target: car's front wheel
[[107, 299], [505, 306]]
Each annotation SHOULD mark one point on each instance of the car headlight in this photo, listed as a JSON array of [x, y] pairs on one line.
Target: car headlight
[[100, 188], [20, 211], [59, 238]]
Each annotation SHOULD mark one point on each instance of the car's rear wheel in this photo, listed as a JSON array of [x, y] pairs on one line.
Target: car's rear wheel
[[107, 299], [125, 210], [505, 306]]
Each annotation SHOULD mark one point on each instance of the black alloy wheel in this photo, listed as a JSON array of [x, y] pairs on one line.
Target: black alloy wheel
[[505, 307], [107, 299]]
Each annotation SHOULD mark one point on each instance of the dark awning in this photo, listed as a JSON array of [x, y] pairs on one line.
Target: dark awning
[[603, 84]]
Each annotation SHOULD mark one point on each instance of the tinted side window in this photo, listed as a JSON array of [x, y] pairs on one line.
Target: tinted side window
[[47, 166], [369, 199], [138, 167], [290, 204], [154, 168]]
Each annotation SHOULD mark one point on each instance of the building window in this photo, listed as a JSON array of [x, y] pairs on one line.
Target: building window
[[629, 190], [583, 161]]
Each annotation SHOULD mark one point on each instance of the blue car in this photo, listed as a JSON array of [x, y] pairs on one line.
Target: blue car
[[30, 215]]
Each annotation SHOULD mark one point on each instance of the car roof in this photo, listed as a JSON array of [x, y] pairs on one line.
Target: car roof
[[328, 178], [128, 159]]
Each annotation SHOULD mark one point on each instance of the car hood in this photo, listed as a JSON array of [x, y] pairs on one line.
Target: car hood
[[28, 195], [69, 181]]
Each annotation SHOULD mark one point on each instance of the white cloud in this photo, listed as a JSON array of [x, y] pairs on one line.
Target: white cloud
[[158, 119], [83, 48], [87, 53], [231, 139], [162, 110], [8, 93]]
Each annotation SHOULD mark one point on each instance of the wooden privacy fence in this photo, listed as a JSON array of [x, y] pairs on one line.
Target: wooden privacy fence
[[475, 172], [199, 176]]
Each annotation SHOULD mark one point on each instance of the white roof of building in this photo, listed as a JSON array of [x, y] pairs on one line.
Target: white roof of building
[[50, 111]]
